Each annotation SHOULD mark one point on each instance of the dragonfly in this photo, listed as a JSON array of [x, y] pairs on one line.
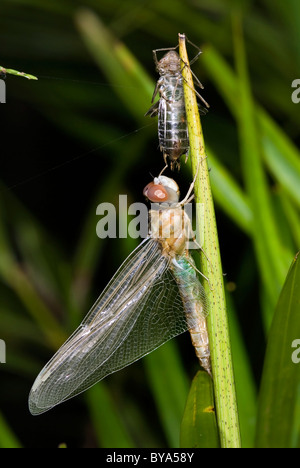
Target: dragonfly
[[170, 108], [154, 296]]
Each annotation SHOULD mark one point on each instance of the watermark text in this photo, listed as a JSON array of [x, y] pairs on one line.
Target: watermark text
[[296, 94], [133, 221], [296, 354], [2, 92], [2, 352]]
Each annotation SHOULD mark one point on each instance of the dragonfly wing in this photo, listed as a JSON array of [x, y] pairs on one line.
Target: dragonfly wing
[[161, 317], [140, 309]]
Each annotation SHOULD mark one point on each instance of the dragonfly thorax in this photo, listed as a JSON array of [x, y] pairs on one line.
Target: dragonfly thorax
[[171, 227]]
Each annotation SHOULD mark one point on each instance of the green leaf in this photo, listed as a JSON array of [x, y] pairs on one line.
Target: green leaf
[[199, 426], [279, 399]]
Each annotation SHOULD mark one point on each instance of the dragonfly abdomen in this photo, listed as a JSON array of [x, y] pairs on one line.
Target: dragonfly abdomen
[[172, 124], [195, 304], [199, 337]]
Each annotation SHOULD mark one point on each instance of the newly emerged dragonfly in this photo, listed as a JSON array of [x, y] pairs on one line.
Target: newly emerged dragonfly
[[170, 108], [154, 296]]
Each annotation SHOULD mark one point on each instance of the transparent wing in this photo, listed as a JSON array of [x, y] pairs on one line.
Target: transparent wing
[[139, 310]]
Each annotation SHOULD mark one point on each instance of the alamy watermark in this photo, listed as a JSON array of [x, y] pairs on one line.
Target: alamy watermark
[[296, 94], [296, 354], [2, 92], [2, 352], [133, 221]]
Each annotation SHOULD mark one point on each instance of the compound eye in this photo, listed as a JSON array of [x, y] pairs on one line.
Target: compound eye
[[156, 193]]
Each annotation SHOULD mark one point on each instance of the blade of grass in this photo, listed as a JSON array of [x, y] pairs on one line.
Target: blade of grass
[[264, 229], [169, 392], [279, 396], [236, 203], [292, 215], [222, 369], [281, 156], [103, 410], [117, 63]]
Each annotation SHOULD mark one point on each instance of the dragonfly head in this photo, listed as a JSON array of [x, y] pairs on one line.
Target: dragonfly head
[[169, 63], [162, 190]]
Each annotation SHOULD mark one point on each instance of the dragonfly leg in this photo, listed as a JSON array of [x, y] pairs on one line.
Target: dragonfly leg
[[190, 199], [183, 36], [198, 82], [162, 95], [196, 57], [186, 198], [190, 228], [202, 250], [163, 170], [196, 47], [198, 271], [175, 165]]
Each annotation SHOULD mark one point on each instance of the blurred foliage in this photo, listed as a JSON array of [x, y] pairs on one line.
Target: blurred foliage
[[278, 415], [77, 137]]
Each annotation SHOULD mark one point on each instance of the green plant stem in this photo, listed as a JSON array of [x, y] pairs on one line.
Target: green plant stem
[[8, 71], [222, 369]]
